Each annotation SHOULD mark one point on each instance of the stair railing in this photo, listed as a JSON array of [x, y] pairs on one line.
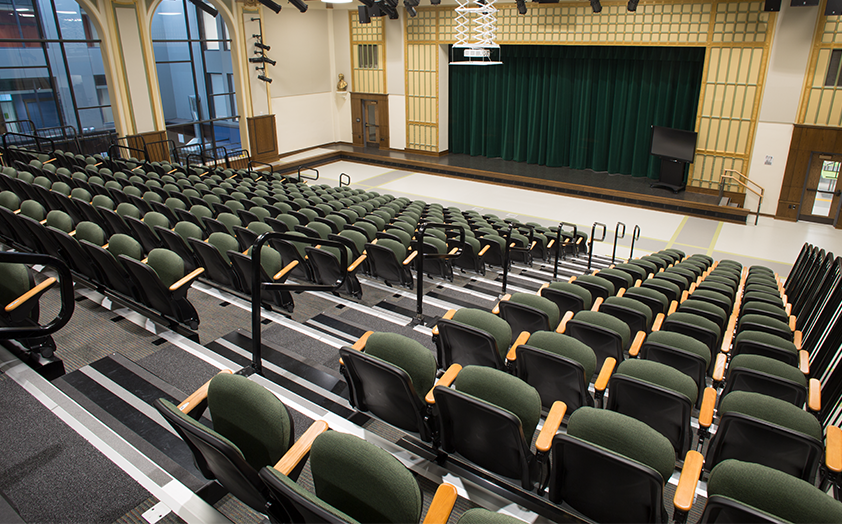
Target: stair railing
[[744, 181]]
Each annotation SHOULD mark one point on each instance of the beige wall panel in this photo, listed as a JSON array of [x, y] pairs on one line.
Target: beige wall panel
[[821, 68], [823, 112], [297, 72], [133, 60]]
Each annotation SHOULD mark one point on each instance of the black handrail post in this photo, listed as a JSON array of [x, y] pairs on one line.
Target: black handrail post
[[557, 250], [419, 305], [508, 238], [617, 235], [635, 236], [257, 286], [590, 245]]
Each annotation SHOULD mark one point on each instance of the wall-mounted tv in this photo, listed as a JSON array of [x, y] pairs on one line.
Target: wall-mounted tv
[[674, 144]]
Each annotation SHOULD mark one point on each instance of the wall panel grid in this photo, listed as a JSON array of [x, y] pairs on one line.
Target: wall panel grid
[[368, 38], [822, 100], [422, 96], [707, 170]]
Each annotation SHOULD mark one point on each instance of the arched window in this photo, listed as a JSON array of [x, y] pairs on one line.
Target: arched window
[[51, 70], [196, 78]]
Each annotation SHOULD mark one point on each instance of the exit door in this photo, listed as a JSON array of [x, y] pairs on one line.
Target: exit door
[[370, 120], [820, 198]]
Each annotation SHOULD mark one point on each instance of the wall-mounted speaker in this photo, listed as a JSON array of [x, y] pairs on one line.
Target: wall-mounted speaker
[[364, 16], [833, 7], [772, 5], [803, 3]]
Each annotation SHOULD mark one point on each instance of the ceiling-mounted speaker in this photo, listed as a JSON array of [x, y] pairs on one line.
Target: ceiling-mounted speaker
[[833, 7], [364, 17], [772, 5]]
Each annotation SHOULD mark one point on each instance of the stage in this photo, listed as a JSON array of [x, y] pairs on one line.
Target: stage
[[586, 184]]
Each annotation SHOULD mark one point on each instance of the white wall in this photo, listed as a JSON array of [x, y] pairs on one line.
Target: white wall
[[303, 121], [781, 97], [342, 128], [770, 139], [396, 81]]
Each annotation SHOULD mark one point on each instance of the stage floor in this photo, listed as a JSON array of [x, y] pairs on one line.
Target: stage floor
[[622, 189]]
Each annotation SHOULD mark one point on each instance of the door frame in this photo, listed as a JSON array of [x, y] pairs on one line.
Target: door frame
[[357, 118], [832, 218]]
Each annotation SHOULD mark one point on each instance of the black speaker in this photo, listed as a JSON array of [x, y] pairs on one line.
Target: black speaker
[[772, 5], [363, 14], [803, 3], [833, 7]]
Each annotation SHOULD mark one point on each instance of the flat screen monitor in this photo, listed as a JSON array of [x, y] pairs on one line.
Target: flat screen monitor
[[675, 144]]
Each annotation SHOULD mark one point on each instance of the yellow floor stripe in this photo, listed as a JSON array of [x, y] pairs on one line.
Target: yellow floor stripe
[[390, 181], [715, 238], [677, 232]]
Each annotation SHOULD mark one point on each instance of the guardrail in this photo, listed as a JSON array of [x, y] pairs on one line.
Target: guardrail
[[743, 181]]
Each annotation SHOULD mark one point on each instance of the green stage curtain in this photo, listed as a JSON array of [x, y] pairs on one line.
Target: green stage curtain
[[575, 106]]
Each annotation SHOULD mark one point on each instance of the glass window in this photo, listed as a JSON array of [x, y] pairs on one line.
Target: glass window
[[51, 69], [195, 76]]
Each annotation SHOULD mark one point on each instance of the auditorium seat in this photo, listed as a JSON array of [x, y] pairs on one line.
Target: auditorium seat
[[472, 337]]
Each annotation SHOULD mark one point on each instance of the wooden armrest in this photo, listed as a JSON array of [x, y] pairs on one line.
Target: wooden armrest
[[596, 303], [637, 343], [638, 282], [356, 263], [719, 367], [454, 251], [173, 170], [442, 504], [98, 163], [673, 307], [791, 323], [797, 339], [563, 324], [550, 243], [48, 161], [512, 245], [551, 424], [833, 449], [729, 334], [706, 411], [571, 279], [659, 321], [446, 380], [595, 271], [198, 396], [299, 450], [544, 286], [534, 243], [145, 261], [42, 222], [660, 270], [484, 250], [496, 309], [375, 240], [650, 275], [788, 309], [684, 296], [16, 211], [511, 356], [72, 233], [410, 258], [29, 295], [188, 278], [621, 292], [693, 286], [359, 345], [605, 374], [814, 396], [286, 269], [685, 492], [804, 362]]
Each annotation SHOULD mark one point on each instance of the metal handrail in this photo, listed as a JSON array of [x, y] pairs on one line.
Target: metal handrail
[[743, 184], [419, 270]]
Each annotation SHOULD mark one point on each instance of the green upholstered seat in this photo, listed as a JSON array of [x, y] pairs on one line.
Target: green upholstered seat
[[167, 265], [417, 361], [633, 305], [637, 272], [504, 391], [766, 324], [539, 303], [649, 296], [627, 279], [120, 244], [9, 200], [565, 346], [660, 375], [91, 232], [750, 337], [488, 322], [773, 492], [681, 342], [60, 220], [596, 281], [606, 321], [33, 210], [579, 291], [224, 242], [769, 366], [624, 436], [772, 410], [188, 229]]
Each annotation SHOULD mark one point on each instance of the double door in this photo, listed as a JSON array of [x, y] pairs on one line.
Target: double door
[[821, 196]]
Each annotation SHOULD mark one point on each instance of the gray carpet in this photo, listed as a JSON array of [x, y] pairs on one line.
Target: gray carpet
[[49, 473]]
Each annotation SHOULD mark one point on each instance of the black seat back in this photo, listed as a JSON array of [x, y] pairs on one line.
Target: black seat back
[[462, 344]]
